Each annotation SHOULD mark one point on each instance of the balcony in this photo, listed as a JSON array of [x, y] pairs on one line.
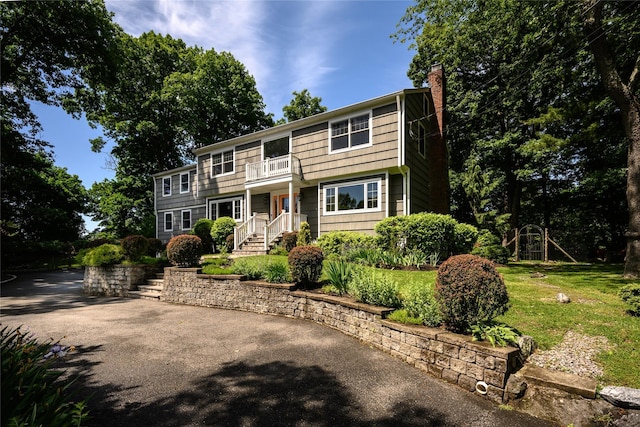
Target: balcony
[[277, 167]]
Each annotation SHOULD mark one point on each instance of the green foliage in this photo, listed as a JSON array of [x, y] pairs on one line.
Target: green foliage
[[303, 105], [155, 246], [304, 234], [420, 303], [402, 316], [32, 392], [202, 229], [365, 256], [631, 295], [414, 258], [134, 247], [305, 264], [469, 290], [289, 240], [276, 272], [496, 333], [371, 287], [496, 253], [251, 267], [221, 228], [184, 250], [464, 237], [107, 254], [229, 243], [339, 242], [339, 273], [391, 232], [430, 233]]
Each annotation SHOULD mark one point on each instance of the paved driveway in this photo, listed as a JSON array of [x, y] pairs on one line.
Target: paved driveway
[[149, 363]]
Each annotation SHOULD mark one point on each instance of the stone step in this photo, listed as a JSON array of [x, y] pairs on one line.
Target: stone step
[[155, 282], [155, 296], [582, 386], [151, 288]]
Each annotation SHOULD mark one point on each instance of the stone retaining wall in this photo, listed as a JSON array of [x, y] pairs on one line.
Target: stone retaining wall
[[116, 280], [451, 357]]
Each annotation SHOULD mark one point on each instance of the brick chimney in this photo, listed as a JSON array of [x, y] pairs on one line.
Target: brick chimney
[[439, 155]]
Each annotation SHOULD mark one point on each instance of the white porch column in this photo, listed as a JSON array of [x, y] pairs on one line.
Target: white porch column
[[292, 207], [247, 204]]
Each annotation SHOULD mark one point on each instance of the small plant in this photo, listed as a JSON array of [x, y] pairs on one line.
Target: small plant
[[184, 250], [32, 393], [339, 273], [469, 290], [305, 263], [250, 267], [134, 247], [106, 254], [276, 272], [202, 229], [414, 258], [229, 243], [220, 229], [155, 246], [304, 234], [375, 288], [488, 246], [289, 240], [631, 295], [420, 303], [434, 258], [403, 316], [496, 333]]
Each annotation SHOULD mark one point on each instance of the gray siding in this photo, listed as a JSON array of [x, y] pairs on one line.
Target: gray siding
[[309, 206], [176, 199], [396, 201], [197, 212], [418, 164]]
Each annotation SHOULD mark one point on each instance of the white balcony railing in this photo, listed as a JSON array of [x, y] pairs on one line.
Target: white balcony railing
[[271, 168]]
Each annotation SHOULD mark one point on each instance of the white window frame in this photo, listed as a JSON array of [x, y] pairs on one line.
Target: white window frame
[[237, 207], [188, 175], [168, 214], [334, 188], [422, 140], [182, 219], [350, 132], [275, 138], [222, 153], [164, 193]]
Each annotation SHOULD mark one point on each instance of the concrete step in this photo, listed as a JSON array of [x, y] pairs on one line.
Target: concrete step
[[155, 296], [582, 386], [155, 282]]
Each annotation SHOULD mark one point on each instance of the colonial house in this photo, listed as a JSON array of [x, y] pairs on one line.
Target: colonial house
[[345, 169]]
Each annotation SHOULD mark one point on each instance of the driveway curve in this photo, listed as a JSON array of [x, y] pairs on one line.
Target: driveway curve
[[158, 364]]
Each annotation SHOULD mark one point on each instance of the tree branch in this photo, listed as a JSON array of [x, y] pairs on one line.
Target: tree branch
[[634, 79]]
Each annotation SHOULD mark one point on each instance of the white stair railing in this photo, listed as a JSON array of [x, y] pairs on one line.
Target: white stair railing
[[243, 231], [275, 228]]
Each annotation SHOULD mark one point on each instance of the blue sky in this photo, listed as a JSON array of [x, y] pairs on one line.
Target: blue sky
[[340, 50]]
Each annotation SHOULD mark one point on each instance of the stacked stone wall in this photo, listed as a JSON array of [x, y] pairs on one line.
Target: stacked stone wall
[[451, 357], [116, 280]]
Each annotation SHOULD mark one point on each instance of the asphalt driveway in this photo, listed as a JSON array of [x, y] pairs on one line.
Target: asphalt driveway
[[158, 364]]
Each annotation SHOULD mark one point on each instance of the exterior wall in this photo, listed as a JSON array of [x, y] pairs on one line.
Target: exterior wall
[[353, 220], [197, 212], [309, 206], [176, 199], [396, 195], [451, 357], [417, 163], [116, 280]]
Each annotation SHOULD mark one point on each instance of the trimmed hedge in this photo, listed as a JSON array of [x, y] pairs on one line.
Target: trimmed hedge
[[469, 291], [184, 250], [220, 229], [340, 242], [106, 254], [305, 264], [135, 247], [289, 240], [202, 229]]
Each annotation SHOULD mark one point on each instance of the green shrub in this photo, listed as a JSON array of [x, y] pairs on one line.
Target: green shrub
[[304, 234], [134, 247], [32, 392], [496, 253], [220, 229], [469, 290], [430, 233], [419, 302], [464, 238], [305, 263], [391, 232], [184, 250], [289, 240], [364, 256], [202, 229], [276, 272], [339, 273], [253, 268], [107, 254], [155, 246], [403, 316], [375, 288], [414, 258], [230, 243], [496, 333], [487, 238], [631, 295], [340, 242]]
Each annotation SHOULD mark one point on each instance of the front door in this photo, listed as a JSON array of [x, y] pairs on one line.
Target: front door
[[281, 203]]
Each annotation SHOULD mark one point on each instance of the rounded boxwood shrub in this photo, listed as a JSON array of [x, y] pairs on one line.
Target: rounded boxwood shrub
[[202, 229], [430, 233], [184, 250], [220, 229], [391, 232], [106, 254], [305, 264], [155, 246], [469, 290], [134, 247], [289, 240]]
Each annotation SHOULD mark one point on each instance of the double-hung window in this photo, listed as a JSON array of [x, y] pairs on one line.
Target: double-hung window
[[168, 221], [186, 220], [166, 186], [350, 133], [184, 182], [350, 197], [222, 163]]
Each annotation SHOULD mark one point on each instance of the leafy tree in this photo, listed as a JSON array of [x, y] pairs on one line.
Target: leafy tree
[[166, 100], [302, 105], [527, 101]]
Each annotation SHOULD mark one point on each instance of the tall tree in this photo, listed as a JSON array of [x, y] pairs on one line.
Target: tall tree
[[525, 95], [303, 105], [49, 50], [166, 99]]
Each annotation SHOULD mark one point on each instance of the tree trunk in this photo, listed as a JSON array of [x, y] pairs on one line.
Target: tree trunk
[[629, 104]]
